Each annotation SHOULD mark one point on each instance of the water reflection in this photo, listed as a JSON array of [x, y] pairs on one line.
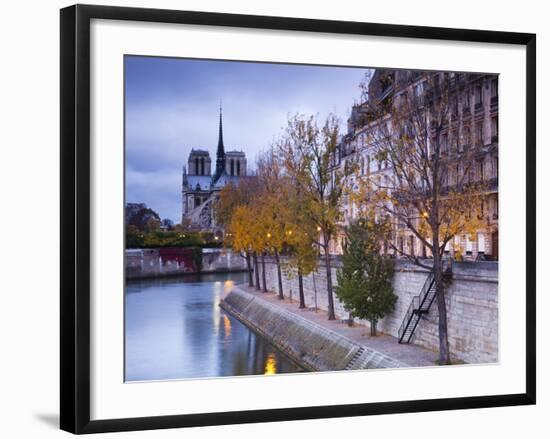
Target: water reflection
[[270, 365], [174, 329]]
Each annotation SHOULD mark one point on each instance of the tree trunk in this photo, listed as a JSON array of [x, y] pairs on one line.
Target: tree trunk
[[249, 270], [331, 315], [444, 354], [301, 289], [256, 270], [373, 328], [279, 275], [264, 283]]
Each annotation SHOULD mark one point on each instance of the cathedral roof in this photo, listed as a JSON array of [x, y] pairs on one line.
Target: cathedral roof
[[202, 180], [224, 179]]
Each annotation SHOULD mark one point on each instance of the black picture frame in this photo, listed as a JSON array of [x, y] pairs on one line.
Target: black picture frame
[[75, 217]]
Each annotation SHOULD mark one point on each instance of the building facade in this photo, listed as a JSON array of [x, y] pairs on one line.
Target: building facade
[[200, 188], [472, 126]]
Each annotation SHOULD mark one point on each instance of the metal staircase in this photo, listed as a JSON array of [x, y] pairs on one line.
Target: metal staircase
[[419, 305]]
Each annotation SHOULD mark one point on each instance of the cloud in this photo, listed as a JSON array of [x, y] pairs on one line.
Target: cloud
[[172, 107]]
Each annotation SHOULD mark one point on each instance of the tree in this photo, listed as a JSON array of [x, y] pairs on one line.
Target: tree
[[272, 212], [141, 217], [234, 196], [153, 225], [364, 281], [303, 260], [134, 237], [426, 184], [303, 253], [240, 237], [306, 150]]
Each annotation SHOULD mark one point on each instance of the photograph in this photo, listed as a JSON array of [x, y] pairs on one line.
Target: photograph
[[296, 218]]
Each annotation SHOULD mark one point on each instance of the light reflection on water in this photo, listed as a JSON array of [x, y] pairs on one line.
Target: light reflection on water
[[174, 329], [270, 367]]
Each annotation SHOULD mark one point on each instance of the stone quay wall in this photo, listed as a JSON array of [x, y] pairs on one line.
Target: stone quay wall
[[308, 344], [471, 296], [160, 262]]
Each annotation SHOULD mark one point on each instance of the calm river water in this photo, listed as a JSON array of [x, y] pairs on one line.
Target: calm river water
[[174, 329]]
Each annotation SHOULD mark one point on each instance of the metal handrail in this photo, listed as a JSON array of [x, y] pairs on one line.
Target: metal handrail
[[415, 306], [426, 289]]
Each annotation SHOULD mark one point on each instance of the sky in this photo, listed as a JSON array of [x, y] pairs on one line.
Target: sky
[[172, 105]]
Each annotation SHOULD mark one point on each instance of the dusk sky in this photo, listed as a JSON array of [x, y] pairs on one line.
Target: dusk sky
[[172, 106]]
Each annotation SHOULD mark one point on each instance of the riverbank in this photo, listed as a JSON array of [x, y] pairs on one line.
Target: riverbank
[[471, 295], [314, 342]]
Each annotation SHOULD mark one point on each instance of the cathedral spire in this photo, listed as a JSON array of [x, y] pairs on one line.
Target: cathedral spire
[[220, 155], [221, 151]]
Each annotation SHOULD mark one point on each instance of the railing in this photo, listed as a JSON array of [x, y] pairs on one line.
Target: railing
[[419, 305], [409, 317]]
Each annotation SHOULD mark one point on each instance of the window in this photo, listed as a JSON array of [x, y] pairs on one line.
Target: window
[[444, 143], [232, 167], [466, 100], [479, 134], [467, 136], [238, 168], [468, 245], [454, 141], [481, 170], [480, 243], [471, 174], [418, 90], [478, 95]]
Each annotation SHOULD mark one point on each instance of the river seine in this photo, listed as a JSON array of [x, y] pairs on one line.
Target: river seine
[[175, 329]]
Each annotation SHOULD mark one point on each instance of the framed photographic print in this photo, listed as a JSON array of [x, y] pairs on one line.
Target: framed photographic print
[[259, 214]]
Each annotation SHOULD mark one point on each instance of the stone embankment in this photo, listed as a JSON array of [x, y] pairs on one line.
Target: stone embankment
[[313, 342], [471, 296], [161, 262]]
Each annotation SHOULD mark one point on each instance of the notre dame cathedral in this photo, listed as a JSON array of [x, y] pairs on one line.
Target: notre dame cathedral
[[200, 188]]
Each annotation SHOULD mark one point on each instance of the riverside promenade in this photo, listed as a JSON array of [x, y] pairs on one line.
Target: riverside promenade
[[405, 355]]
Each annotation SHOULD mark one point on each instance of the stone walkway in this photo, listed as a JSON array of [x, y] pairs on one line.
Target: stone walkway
[[410, 354]]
